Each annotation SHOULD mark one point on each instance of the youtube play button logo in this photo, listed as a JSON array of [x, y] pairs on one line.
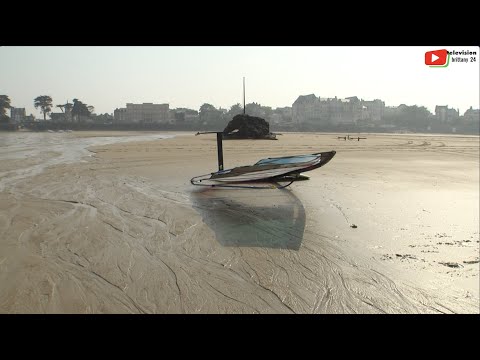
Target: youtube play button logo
[[436, 58]]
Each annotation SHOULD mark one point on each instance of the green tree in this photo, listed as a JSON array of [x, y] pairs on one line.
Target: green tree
[[255, 109], [4, 105], [413, 117], [81, 109], [268, 112], [209, 116], [44, 102], [207, 107], [206, 111], [235, 110]]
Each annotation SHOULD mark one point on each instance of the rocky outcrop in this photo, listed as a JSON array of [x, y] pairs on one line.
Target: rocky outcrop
[[244, 126]]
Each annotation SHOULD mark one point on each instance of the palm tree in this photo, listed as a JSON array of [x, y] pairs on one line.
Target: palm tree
[[4, 105], [44, 102], [66, 110]]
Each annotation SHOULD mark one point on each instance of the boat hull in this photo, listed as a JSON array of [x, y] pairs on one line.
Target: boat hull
[[268, 172]]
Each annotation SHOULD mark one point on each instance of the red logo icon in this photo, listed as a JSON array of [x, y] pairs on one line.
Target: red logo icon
[[436, 57]]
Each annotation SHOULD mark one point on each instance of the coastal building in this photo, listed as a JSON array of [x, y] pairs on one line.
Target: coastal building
[[374, 110], [286, 111], [276, 119], [444, 114], [57, 117], [120, 115], [17, 114], [346, 111], [185, 116], [304, 109], [282, 116], [472, 114], [145, 113], [30, 118], [65, 115], [335, 111]]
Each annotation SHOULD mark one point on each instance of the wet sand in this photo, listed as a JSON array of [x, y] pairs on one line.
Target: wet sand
[[124, 231]]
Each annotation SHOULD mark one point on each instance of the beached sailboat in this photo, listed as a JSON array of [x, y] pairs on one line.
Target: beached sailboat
[[278, 172]]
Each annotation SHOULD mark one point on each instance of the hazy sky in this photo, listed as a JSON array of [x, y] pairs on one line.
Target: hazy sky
[[109, 77]]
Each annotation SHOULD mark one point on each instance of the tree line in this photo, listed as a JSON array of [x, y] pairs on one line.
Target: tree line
[[413, 118], [45, 104]]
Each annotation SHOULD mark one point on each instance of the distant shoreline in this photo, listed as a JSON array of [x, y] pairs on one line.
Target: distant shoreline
[[351, 132]]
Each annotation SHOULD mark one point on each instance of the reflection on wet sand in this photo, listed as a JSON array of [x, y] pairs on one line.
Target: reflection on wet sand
[[253, 218]]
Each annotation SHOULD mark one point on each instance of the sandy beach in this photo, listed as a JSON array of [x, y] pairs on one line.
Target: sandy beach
[[118, 228]]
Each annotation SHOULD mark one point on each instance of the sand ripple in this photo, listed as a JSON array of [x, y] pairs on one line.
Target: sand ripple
[[92, 238]]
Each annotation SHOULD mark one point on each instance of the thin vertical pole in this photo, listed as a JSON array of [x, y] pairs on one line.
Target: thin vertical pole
[[244, 95], [220, 150]]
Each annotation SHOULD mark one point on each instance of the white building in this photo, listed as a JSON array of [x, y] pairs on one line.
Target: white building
[[145, 113], [335, 111], [17, 114], [472, 114]]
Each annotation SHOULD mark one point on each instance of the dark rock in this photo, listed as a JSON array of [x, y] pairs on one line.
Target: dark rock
[[451, 264], [248, 127], [406, 256]]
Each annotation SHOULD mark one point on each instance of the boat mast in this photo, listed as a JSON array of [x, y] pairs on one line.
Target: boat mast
[[220, 150], [219, 146]]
